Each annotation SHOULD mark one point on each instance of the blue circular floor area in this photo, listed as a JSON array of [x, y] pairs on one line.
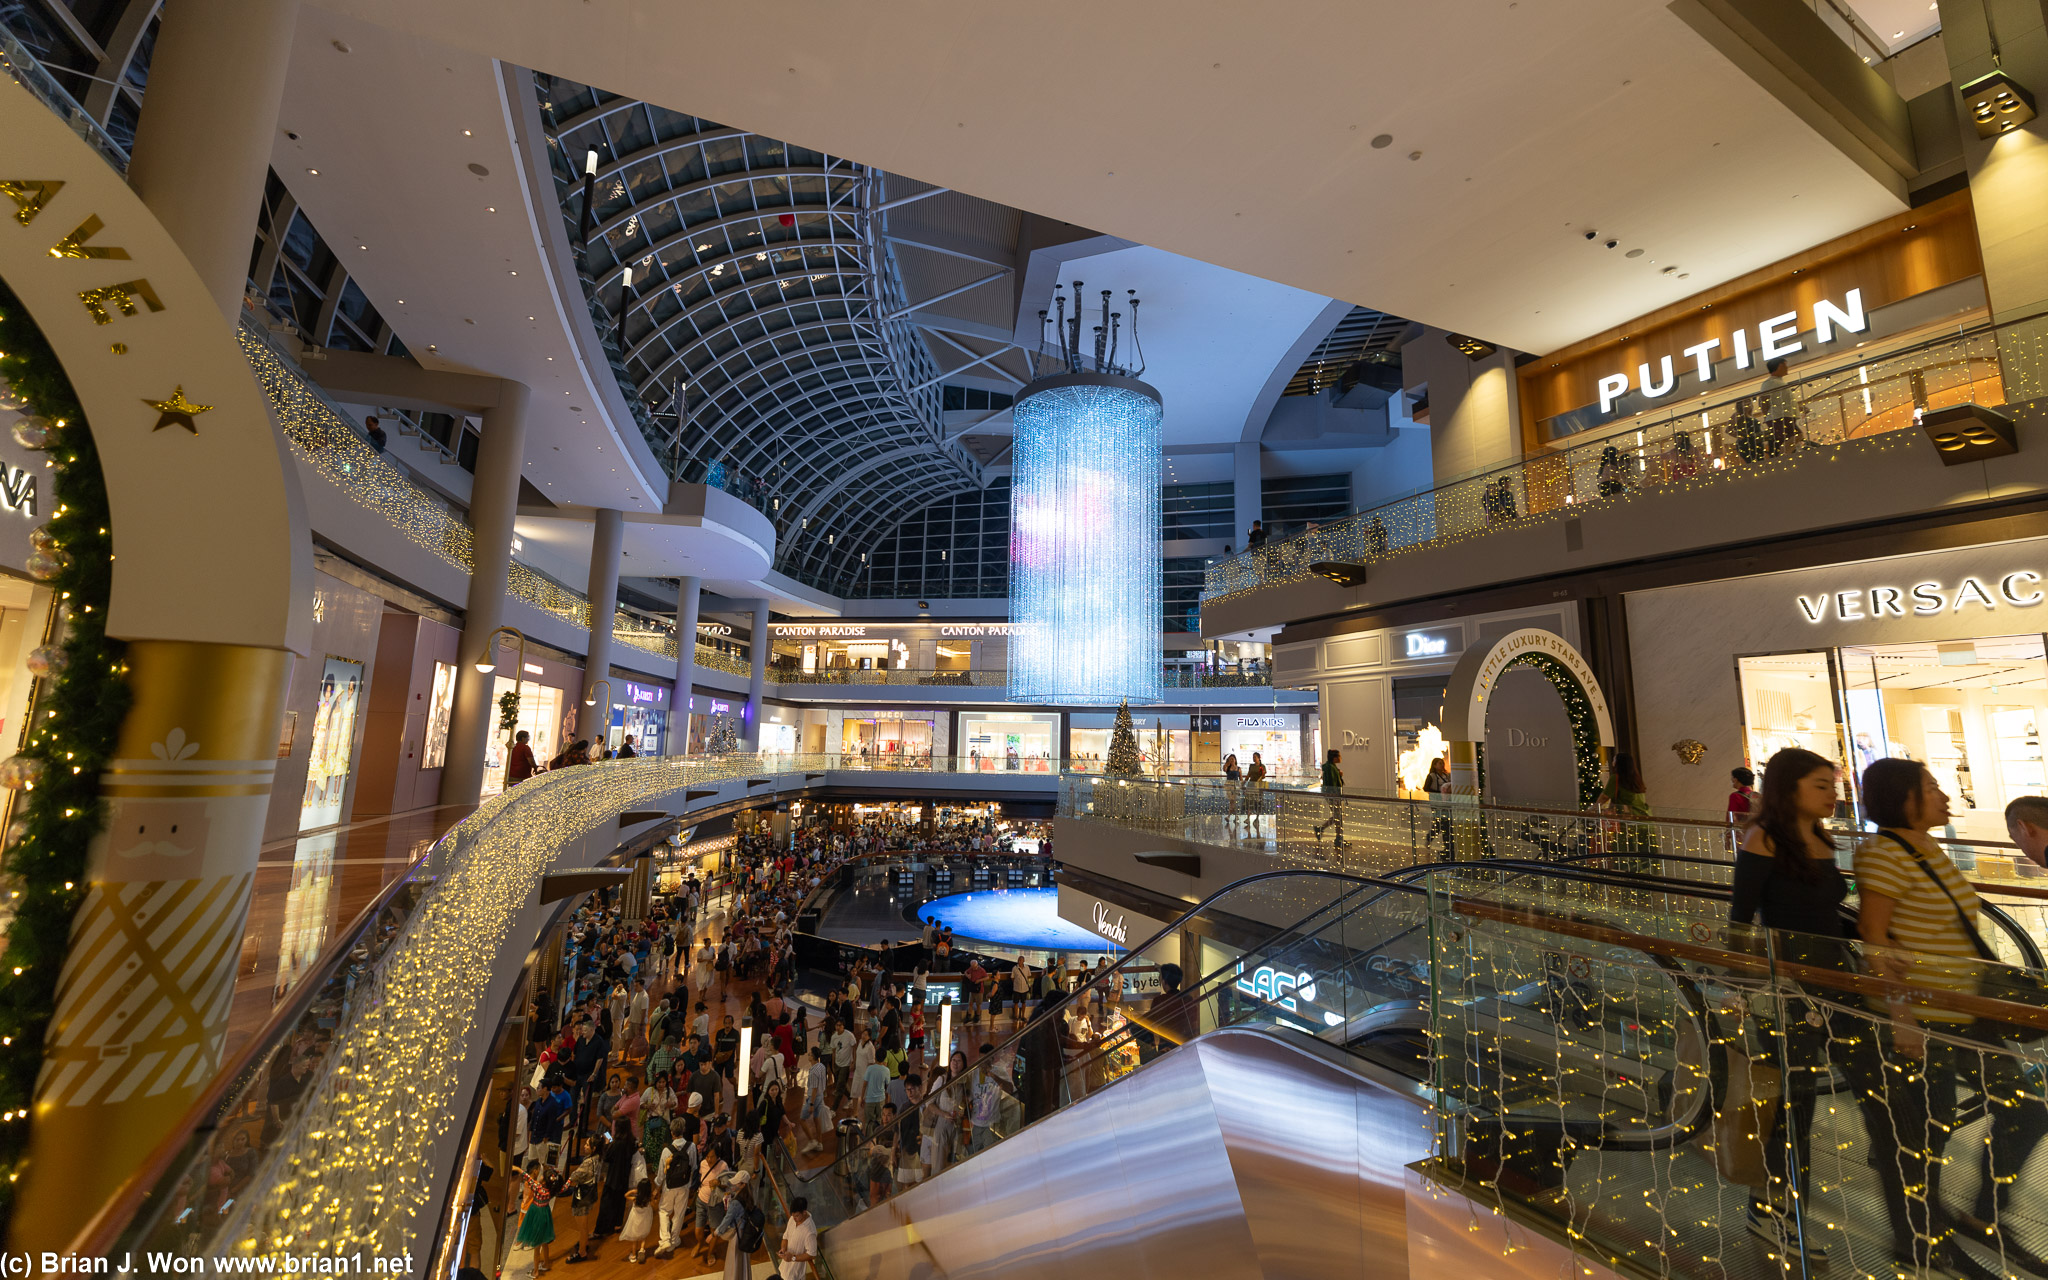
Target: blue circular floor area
[[1015, 918]]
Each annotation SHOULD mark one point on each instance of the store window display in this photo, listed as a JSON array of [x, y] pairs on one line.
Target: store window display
[[882, 738], [540, 714], [1970, 710], [993, 743], [334, 735]]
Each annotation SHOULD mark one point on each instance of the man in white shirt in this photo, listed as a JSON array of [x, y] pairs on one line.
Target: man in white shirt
[[636, 1012], [842, 1058], [863, 1055], [799, 1241], [1020, 984]]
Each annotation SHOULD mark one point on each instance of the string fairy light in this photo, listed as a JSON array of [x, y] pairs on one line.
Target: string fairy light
[[1691, 450]]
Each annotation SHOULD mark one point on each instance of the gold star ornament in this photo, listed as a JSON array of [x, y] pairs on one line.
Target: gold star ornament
[[176, 411]]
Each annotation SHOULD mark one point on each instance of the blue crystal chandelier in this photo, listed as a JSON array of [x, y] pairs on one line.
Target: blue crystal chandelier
[[1084, 523]]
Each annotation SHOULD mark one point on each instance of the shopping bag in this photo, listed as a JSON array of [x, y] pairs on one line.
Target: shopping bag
[[1742, 1124]]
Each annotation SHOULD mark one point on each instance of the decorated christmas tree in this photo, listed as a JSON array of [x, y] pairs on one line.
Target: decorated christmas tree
[[725, 739], [1123, 746]]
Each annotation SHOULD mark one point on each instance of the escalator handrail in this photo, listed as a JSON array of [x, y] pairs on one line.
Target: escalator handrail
[[1135, 954], [1383, 884], [2027, 945], [1758, 964]]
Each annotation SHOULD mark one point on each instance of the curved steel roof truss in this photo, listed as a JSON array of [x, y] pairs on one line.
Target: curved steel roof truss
[[760, 309]]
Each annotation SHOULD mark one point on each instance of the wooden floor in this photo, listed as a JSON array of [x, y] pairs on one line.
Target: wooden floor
[[612, 1260]]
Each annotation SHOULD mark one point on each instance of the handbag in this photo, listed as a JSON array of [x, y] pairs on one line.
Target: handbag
[[1743, 1122], [2000, 981]]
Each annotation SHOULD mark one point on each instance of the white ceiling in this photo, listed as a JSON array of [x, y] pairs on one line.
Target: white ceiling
[[393, 125], [1212, 337], [1898, 23], [1231, 134]]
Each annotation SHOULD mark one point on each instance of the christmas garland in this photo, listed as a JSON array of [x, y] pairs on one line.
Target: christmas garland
[[77, 708]]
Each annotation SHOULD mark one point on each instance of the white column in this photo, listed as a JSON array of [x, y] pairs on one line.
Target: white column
[[493, 507], [606, 541], [202, 149], [688, 592], [757, 678], [1246, 494]]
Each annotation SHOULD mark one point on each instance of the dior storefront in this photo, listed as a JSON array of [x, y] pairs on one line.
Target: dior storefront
[[1382, 702]]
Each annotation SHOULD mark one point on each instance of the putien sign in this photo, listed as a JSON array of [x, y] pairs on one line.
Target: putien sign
[[1777, 336]]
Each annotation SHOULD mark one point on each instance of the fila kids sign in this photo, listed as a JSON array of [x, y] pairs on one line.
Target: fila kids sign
[[1777, 336], [2020, 590]]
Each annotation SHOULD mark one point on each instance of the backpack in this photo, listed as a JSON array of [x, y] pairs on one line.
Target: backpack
[[682, 1167], [752, 1228]]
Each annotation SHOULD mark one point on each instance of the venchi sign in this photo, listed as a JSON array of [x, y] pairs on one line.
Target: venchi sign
[[1777, 336], [2021, 589]]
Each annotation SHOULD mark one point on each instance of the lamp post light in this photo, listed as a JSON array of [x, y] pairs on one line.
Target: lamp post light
[[489, 661], [605, 727]]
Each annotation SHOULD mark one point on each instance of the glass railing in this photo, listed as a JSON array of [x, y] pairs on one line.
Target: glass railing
[[1172, 678], [18, 64], [1330, 956], [376, 1032], [1669, 451], [720, 474], [1676, 1096], [1293, 820], [331, 442]]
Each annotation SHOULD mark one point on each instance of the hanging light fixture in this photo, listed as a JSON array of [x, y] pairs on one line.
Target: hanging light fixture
[[1084, 537]]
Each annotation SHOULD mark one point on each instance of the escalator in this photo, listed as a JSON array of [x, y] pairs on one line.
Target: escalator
[[1263, 1118]]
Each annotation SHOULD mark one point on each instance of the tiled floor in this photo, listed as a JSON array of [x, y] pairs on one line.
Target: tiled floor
[[307, 891]]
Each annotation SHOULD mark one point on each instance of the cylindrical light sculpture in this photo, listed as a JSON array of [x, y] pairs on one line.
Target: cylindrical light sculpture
[[1085, 606]]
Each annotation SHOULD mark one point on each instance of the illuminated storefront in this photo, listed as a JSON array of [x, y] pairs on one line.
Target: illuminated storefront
[[888, 735], [1937, 657], [639, 712], [1009, 741], [816, 648]]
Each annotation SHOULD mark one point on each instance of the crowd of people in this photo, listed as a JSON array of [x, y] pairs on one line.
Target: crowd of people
[[629, 1123]]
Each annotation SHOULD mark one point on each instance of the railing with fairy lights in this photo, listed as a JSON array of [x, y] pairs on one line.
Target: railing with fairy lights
[[383, 1036], [996, 678], [1625, 1071], [1292, 819], [336, 447], [384, 1041], [1858, 406]]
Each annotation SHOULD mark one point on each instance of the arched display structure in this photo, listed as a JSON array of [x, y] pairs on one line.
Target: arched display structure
[[211, 593], [1478, 675]]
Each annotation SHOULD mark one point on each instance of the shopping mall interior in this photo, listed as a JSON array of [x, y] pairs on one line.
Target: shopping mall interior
[[1233, 614]]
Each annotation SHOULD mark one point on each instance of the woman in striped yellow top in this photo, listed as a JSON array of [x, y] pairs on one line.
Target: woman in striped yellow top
[[1914, 899]]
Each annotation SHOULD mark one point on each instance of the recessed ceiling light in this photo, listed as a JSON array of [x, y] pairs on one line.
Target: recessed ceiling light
[[401, 302], [362, 246], [515, 273], [465, 133], [490, 208], [314, 172]]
